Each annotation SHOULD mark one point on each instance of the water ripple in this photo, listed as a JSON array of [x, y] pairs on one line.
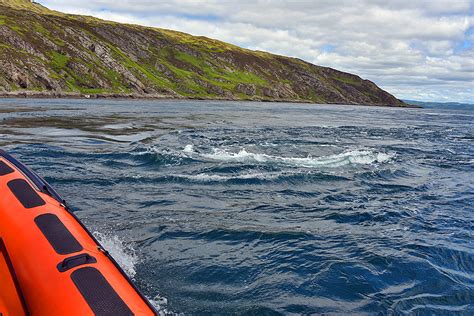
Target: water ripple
[[233, 208]]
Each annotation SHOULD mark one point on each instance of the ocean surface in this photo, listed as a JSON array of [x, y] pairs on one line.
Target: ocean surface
[[264, 208]]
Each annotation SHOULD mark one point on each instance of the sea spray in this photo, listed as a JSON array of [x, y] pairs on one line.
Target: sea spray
[[126, 256], [122, 252]]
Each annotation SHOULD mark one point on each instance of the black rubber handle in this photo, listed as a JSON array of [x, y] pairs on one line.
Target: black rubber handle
[[75, 261]]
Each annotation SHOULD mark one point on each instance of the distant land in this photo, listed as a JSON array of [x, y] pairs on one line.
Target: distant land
[[45, 53], [442, 105]]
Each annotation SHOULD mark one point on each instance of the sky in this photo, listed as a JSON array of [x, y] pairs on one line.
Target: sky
[[415, 49]]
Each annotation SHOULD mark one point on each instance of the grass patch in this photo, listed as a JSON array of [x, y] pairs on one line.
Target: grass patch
[[113, 78], [38, 28], [371, 95], [245, 77], [59, 42], [93, 91], [348, 80], [314, 97], [17, 29], [215, 75], [144, 70], [27, 5], [200, 42], [58, 61]]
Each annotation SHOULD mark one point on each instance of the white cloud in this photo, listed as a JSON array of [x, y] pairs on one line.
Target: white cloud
[[419, 49]]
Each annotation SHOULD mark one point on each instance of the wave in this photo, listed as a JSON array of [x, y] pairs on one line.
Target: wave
[[162, 156], [255, 177], [362, 157], [126, 257], [166, 156], [204, 177], [122, 252]]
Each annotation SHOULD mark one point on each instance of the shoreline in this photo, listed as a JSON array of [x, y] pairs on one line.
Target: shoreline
[[135, 96]]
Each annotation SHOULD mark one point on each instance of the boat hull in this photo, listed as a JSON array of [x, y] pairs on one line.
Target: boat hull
[[58, 266]]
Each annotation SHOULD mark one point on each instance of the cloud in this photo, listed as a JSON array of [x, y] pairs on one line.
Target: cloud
[[419, 49]]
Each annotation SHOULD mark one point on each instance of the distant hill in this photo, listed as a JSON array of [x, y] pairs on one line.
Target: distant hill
[[48, 53], [442, 105]]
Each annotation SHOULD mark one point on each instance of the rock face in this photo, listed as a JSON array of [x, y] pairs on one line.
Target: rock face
[[44, 51]]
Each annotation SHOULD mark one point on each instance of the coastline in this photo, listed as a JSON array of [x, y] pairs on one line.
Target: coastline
[[136, 96]]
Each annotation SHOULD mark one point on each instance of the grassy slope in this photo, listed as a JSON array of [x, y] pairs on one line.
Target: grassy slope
[[45, 50]]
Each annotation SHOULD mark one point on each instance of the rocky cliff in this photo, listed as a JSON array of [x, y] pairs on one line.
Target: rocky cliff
[[44, 52]]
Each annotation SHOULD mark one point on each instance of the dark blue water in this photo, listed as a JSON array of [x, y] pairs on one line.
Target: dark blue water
[[252, 208]]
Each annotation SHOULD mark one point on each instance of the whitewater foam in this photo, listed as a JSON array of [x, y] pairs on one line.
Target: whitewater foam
[[188, 149], [122, 252], [350, 157], [204, 177], [127, 258], [164, 156], [160, 303]]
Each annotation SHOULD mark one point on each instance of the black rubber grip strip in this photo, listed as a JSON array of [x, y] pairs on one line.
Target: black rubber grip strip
[[25, 193], [40, 183], [57, 234], [98, 293], [5, 169]]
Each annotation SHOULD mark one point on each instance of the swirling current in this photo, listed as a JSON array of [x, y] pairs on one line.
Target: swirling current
[[257, 208]]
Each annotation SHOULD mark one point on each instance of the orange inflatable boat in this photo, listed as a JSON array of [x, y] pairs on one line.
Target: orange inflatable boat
[[50, 264]]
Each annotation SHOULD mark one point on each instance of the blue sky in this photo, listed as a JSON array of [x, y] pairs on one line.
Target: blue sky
[[415, 49]]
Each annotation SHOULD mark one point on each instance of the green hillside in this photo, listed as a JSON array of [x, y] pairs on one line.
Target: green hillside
[[44, 52]]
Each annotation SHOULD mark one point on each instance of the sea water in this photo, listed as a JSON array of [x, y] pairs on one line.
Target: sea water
[[265, 208]]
